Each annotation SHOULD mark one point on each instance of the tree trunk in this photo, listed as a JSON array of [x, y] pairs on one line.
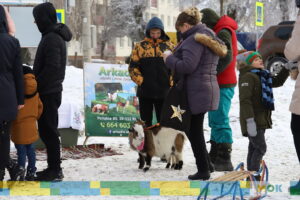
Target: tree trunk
[[102, 47], [221, 7], [86, 30], [284, 8]]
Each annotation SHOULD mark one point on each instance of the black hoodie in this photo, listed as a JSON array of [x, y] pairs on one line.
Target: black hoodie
[[50, 60], [11, 74]]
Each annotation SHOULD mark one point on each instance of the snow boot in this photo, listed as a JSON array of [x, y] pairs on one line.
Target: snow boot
[[223, 159], [30, 174], [210, 164], [295, 190], [213, 153], [50, 175], [12, 167], [200, 176], [18, 174]]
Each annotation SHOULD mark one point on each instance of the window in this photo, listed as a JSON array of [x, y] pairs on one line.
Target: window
[[162, 17], [129, 42], [169, 21], [154, 3], [284, 33], [122, 42]]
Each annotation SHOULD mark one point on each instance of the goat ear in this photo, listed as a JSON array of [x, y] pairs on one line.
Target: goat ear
[[143, 123], [139, 121]]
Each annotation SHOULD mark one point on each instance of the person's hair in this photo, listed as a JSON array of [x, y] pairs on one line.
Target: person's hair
[[191, 16]]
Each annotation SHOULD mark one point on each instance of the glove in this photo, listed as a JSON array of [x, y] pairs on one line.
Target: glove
[[166, 54], [251, 127], [291, 65]]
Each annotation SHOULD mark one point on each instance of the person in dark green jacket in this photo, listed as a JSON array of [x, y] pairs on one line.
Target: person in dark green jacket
[[256, 103], [219, 122]]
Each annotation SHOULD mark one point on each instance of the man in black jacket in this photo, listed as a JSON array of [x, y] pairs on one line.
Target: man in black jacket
[[49, 69]]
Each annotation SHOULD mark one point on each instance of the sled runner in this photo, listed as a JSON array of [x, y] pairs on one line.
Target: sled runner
[[233, 180]]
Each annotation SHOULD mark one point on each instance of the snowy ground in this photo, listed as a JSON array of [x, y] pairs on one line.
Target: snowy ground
[[280, 157]]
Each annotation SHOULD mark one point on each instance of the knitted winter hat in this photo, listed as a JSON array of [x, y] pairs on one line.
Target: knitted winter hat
[[27, 70], [155, 22], [210, 17], [248, 57]]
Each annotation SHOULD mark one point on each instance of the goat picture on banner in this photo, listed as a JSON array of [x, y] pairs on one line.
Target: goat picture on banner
[[110, 100]]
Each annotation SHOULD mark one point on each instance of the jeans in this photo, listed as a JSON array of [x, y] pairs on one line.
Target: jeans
[[23, 151], [256, 150], [219, 121]]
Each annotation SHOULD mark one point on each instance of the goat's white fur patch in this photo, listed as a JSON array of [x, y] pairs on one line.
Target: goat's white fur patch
[[164, 141], [141, 135]]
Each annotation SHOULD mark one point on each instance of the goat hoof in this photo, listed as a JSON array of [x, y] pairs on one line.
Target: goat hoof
[[180, 164], [172, 166], [168, 165], [176, 167], [146, 169], [141, 167]]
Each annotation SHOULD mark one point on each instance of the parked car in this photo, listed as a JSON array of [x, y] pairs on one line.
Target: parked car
[[271, 45]]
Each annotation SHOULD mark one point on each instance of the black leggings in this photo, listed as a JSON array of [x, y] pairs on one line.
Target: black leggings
[[295, 127], [4, 144], [196, 137]]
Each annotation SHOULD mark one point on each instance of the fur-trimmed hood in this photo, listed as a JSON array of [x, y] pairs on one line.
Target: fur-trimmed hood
[[216, 45], [207, 38]]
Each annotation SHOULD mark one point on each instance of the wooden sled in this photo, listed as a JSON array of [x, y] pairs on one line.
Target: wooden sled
[[233, 180]]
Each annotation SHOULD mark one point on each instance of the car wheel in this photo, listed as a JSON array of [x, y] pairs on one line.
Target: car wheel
[[275, 64]]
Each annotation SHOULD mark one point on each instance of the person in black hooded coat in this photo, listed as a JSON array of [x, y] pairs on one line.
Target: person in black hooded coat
[[49, 69], [11, 87], [148, 70]]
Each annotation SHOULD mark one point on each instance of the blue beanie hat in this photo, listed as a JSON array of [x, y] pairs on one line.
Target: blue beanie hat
[[154, 22]]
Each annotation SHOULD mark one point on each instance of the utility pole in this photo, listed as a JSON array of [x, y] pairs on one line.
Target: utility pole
[[221, 7], [86, 30]]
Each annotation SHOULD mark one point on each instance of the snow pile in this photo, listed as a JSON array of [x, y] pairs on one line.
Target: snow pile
[[280, 157]]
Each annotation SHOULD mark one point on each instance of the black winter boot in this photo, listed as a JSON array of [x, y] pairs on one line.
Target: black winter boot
[[2, 174], [12, 168], [223, 160], [210, 164], [18, 174], [213, 153], [200, 176], [30, 174]]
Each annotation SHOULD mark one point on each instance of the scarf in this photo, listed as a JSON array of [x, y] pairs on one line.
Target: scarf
[[266, 86]]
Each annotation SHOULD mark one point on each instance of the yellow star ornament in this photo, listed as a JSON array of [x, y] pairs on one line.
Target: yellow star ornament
[[177, 112]]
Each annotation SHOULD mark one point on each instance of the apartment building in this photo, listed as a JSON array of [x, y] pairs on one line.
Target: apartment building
[[166, 10]]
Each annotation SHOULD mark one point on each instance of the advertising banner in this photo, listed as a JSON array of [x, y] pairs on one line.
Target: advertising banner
[[111, 104]]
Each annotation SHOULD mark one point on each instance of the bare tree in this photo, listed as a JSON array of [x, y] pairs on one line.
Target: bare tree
[[136, 28], [75, 21], [284, 7]]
